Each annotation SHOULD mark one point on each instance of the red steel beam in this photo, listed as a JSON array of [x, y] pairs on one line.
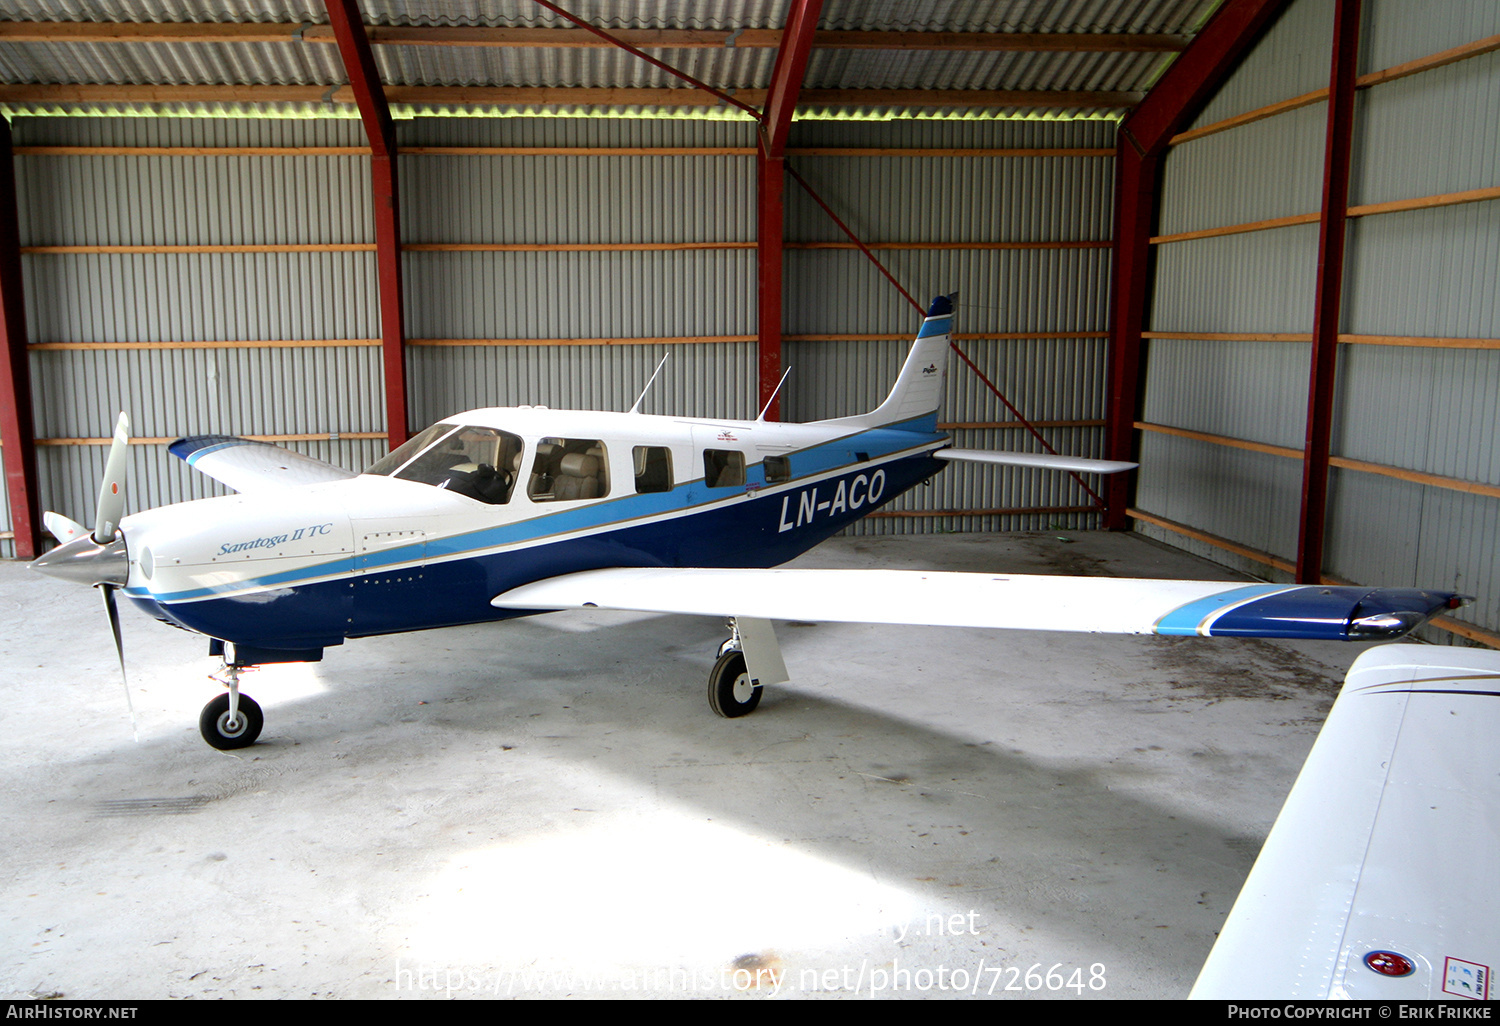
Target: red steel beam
[[1325, 342], [1171, 104], [1137, 179], [770, 183], [775, 126], [787, 75], [359, 63], [17, 428]]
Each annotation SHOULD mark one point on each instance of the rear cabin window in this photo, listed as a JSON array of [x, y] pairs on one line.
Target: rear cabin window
[[723, 468], [480, 463], [778, 469], [653, 468], [567, 469]]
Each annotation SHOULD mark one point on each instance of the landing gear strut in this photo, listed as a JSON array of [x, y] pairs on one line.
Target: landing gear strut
[[748, 661], [232, 720]]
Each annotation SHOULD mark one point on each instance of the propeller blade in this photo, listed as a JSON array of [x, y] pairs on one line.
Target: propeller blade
[[112, 490], [61, 528], [113, 612]]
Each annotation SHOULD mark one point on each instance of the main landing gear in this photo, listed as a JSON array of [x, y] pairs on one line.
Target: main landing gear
[[748, 661], [233, 720]]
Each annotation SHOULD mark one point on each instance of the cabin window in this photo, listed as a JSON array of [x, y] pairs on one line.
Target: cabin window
[[723, 468], [567, 469], [778, 469], [478, 462], [653, 468]]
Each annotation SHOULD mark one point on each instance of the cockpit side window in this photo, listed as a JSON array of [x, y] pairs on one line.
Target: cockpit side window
[[653, 468], [723, 468], [477, 462], [568, 469]]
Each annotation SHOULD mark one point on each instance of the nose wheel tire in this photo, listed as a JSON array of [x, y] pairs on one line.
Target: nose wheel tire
[[222, 733], [730, 690]]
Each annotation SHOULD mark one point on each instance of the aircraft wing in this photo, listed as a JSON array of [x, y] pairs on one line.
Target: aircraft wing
[[1044, 460], [1023, 602], [1377, 881], [250, 466]]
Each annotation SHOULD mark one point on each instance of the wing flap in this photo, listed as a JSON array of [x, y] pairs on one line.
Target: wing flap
[[949, 599], [1042, 460], [250, 466]]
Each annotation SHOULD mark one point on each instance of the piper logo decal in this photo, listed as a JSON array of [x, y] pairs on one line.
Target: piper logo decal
[[847, 495]]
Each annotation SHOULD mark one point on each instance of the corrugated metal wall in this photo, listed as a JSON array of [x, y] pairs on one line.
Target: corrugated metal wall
[[1001, 291], [1428, 272], [333, 391], [611, 199], [89, 298]]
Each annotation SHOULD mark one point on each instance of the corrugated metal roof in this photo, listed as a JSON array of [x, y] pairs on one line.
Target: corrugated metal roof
[[164, 10], [300, 62], [1172, 16], [586, 68]]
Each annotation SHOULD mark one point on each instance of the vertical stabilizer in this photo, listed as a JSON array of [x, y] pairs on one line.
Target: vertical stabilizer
[[918, 392]]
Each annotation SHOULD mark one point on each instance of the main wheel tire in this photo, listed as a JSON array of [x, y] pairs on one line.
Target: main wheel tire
[[213, 724], [729, 689]]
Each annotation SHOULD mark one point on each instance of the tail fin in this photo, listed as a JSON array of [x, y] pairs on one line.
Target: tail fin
[[918, 392]]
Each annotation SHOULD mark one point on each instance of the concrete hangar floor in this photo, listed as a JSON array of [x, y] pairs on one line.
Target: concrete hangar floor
[[548, 807]]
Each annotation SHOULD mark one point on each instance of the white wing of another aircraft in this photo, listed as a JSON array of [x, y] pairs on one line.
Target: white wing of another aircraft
[[250, 466], [1378, 881]]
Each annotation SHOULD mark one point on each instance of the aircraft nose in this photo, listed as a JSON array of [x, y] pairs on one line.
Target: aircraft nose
[[85, 561]]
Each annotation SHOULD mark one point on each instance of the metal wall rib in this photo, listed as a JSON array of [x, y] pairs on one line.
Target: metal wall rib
[[1426, 272]]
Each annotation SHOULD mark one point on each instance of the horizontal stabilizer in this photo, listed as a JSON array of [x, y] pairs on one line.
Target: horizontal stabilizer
[[250, 466], [1108, 605], [1377, 881], [1045, 460]]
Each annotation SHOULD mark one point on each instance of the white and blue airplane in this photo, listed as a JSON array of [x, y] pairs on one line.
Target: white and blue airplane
[[505, 512]]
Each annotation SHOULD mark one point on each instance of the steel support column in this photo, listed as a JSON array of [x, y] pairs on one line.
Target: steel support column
[[359, 63], [1137, 180], [775, 126], [17, 428], [1171, 105], [770, 181], [1330, 287]]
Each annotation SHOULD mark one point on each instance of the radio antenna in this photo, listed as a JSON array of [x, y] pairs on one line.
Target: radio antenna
[[771, 400], [637, 407]]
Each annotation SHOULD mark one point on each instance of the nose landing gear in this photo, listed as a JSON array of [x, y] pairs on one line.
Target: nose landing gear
[[231, 720]]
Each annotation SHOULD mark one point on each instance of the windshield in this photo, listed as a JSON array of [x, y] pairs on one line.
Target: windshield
[[478, 462], [413, 445]]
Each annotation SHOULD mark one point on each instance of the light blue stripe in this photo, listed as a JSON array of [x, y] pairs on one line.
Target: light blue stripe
[[935, 326], [1185, 619], [197, 454]]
